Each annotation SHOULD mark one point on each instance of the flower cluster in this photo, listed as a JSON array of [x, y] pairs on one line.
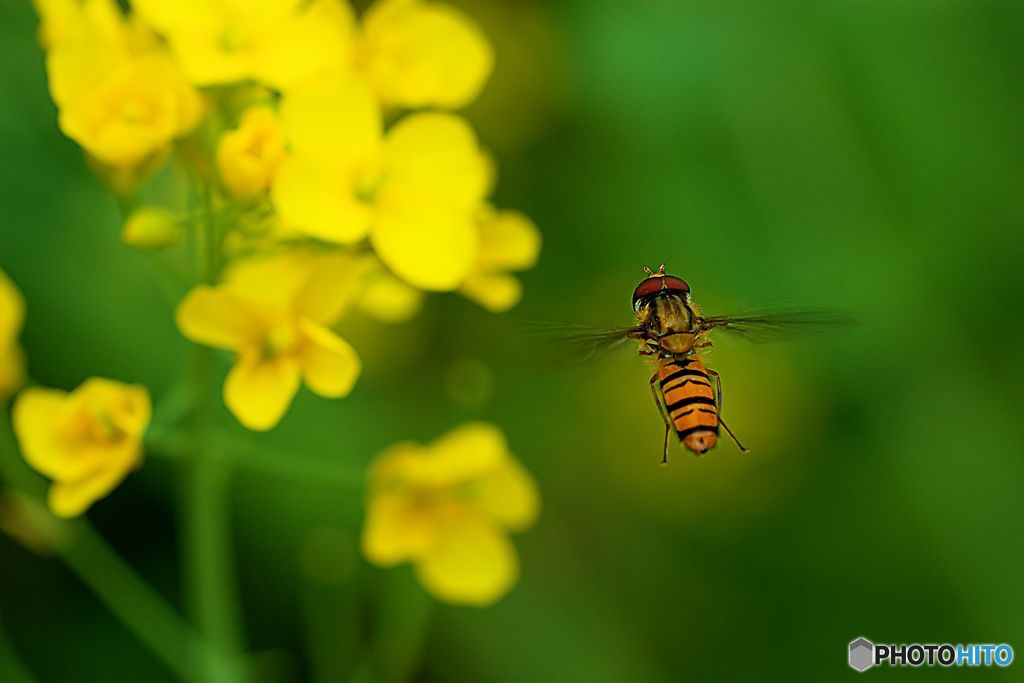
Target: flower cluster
[[298, 162], [301, 118]]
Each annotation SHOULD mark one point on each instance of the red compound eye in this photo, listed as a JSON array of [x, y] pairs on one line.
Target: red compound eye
[[659, 283], [651, 285]]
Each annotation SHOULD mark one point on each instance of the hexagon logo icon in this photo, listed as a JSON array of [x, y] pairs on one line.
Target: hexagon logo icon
[[862, 654]]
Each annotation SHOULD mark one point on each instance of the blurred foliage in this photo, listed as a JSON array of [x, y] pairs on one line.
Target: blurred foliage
[[864, 156]]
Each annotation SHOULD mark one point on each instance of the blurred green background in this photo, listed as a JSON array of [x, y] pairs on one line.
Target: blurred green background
[[866, 156]]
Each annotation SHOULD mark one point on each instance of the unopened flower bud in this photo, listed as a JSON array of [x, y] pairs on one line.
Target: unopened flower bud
[[151, 228]]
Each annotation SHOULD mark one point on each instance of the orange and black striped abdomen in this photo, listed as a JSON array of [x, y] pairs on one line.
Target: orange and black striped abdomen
[[690, 401]]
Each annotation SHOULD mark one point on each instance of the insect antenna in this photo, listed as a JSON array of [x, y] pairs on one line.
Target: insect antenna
[[729, 432]]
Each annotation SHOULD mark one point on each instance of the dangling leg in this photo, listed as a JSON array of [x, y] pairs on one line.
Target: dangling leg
[[718, 405], [664, 417], [729, 432]]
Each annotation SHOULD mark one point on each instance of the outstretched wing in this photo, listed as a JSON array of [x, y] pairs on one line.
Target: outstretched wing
[[578, 343], [586, 345], [778, 325]]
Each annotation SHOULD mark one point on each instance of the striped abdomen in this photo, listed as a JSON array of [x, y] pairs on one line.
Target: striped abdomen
[[690, 400]]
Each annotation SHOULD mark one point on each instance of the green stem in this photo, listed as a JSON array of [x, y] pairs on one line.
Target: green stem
[[208, 563], [253, 456], [137, 604], [403, 614], [210, 581]]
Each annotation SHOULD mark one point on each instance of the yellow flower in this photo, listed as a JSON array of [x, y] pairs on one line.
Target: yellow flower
[[120, 95], [86, 441], [274, 312], [448, 507], [12, 317], [276, 42], [421, 54], [248, 156], [509, 241], [151, 227], [132, 113], [414, 192]]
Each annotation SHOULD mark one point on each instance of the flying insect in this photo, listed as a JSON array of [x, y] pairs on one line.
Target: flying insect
[[671, 330]]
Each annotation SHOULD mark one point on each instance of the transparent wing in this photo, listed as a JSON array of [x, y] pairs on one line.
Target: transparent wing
[[778, 325], [586, 345], [578, 343]]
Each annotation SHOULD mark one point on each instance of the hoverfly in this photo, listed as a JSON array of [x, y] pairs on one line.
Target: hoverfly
[[671, 330]]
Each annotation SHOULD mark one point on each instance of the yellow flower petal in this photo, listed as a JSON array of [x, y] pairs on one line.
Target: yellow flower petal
[[271, 279], [72, 498], [509, 241], [335, 119], [433, 252], [331, 286], [434, 178], [432, 161], [496, 293], [205, 61], [192, 16], [470, 562], [318, 200], [390, 467], [219, 316], [12, 311], [315, 42], [396, 530], [60, 22], [258, 391], [465, 453], [510, 495], [330, 365], [420, 54], [12, 370], [37, 417]]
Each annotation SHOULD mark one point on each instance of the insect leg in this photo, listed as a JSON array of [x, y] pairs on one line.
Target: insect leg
[[664, 417], [735, 440], [718, 385]]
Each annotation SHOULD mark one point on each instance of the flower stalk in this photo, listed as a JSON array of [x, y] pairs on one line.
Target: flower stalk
[[208, 549]]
